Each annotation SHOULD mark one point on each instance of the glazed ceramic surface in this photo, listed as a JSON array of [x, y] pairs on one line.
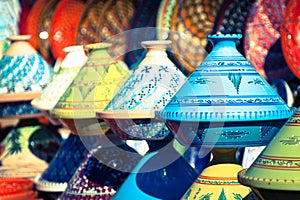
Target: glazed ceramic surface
[[262, 32], [130, 113], [23, 70], [289, 36], [61, 80], [61, 169], [217, 182], [167, 182], [102, 172], [278, 166], [64, 25], [21, 152], [163, 19], [44, 28], [33, 21], [21, 109], [92, 89], [225, 102], [17, 188]]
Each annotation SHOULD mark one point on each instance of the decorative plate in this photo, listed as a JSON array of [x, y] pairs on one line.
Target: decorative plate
[[115, 19], [88, 30], [191, 22], [262, 32], [33, 22], [232, 18], [64, 25], [143, 21], [44, 27], [289, 36], [10, 186]]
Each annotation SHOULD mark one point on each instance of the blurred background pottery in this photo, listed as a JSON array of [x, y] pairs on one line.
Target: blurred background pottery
[[63, 33], [289, 36], [190, 22], [17, 188]]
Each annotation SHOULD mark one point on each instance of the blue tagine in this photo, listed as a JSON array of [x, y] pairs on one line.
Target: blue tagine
[[23, 75], [225, 102]]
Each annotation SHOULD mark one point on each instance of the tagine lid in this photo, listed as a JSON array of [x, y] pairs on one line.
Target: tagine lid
[[94, 86], [226, 88], [149, 88], [278, 166], [23, 72], [66, 71]]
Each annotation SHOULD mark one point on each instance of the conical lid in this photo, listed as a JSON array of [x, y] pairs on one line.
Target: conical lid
[[18, 158], [93, 87], [62, 167], [217, 182], [102, 172], [65, 73], [91, 90], [150, 87], [23, 72], [278, 166], [227, 91]]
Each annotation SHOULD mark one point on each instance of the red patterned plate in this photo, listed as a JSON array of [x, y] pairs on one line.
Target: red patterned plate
[[10, 186], [262, 31], [290, 39], [28, 195], [44, 28], [64, 25], [33, 22]]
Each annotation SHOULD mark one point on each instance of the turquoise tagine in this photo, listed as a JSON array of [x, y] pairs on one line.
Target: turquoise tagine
[[225, 102]]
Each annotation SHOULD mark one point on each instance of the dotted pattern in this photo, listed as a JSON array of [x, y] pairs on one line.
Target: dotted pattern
[[67, 160], [101, 173]]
